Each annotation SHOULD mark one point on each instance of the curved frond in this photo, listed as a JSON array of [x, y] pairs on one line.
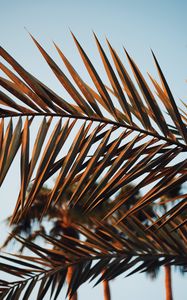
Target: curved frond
[[118, 134], [128, 249]]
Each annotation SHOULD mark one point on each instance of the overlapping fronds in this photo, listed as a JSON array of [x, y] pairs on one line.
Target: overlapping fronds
[[127, 248], [117, 133]]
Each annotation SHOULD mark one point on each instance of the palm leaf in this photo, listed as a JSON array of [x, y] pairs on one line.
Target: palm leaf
[[130, 140], [130, 249]]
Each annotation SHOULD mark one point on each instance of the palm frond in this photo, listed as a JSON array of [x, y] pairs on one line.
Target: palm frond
[[120, 133], [127, 249]]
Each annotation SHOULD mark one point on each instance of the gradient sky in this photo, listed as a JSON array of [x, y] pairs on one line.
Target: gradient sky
[[136, 25]]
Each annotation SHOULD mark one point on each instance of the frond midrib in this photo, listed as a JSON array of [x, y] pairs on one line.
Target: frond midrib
[[143, 257], [101, 120]]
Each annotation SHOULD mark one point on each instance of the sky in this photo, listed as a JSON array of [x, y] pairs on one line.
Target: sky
[[136, 25]]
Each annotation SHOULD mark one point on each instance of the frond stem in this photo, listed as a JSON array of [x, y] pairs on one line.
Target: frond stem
[[55, 269], [105, 120]]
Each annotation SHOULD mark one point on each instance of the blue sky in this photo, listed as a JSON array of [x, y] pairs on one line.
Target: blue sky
[[137, 25]]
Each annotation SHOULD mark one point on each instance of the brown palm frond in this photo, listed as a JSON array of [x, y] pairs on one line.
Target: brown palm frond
[[120, 136], [127, 249]]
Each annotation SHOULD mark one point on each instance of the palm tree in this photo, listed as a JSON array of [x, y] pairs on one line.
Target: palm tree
[[57, 221], [114, 135]]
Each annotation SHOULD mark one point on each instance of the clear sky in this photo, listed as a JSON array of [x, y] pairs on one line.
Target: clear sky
[[138, 25]]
